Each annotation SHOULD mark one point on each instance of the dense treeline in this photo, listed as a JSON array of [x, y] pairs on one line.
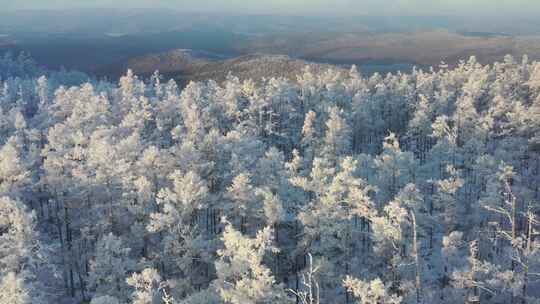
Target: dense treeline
[[335, 188]]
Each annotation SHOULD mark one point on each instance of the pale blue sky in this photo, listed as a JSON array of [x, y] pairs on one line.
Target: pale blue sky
[[306, 7]]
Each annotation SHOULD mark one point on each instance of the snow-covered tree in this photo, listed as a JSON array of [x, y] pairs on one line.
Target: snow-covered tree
[[147, 287], [370, 292], [242, 275], [337, 139], [446, 198], [13, 290], [244, 203], [22, 257], [110, 267], [13, 174], [395, 168]]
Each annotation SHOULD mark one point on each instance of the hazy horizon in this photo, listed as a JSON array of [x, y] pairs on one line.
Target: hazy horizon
[[507, 8]]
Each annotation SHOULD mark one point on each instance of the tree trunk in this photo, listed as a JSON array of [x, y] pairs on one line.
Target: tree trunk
[[69, 248], [530, 220], [416, 260]]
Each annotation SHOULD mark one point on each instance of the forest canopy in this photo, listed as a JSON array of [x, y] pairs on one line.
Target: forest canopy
[[334, 188]]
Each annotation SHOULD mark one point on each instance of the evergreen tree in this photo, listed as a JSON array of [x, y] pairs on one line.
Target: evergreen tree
[[110, 267], [242, 276]]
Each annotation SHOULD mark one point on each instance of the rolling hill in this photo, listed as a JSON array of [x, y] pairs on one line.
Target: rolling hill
[[189, 65]]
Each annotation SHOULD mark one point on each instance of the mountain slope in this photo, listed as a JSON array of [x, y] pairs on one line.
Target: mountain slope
[[188, 65], [257, 66]]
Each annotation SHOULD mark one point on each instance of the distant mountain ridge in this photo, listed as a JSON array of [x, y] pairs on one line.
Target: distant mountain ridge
[[179, 60], [190, 65]]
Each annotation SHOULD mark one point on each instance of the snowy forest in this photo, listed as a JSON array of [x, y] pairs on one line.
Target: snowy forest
[[330, 188]]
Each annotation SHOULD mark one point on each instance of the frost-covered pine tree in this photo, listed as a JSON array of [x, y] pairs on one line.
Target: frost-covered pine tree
[[13, 174], [337, 139], [243, 201], [242, 276], [22, 257], [110, 267], [147, 287], [395, 168], [370, 292], [14, 290], [447, 201]]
